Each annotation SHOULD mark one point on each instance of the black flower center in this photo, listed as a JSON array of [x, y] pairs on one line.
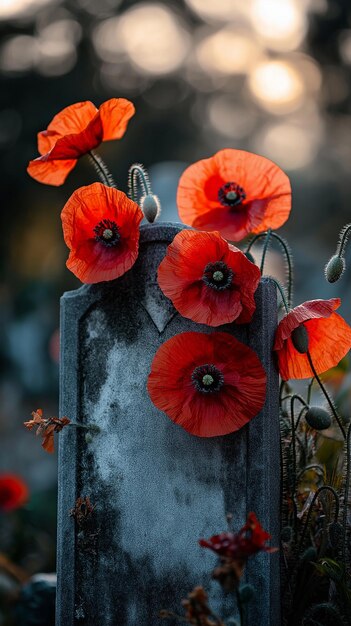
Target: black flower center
[[217, 276], [231, 194], [207, 378], [107, 233]]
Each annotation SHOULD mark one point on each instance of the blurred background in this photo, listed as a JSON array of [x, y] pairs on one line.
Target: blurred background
[[269, 76]]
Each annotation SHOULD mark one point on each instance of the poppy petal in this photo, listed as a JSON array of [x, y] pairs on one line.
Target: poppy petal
[[264, 200], [73, 119], [329, 339], [186, 277], [91, 259], [50, 172], [115, 115], [241, 383]]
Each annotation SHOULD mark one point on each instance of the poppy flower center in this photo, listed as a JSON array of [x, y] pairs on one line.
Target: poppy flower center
[[207, 378], [231, 194], [107, 233], [217, 276]]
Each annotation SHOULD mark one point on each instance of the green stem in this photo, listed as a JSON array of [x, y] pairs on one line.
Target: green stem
[[265, 249], [287, 255], [301, 414], [293, 443], [281, 291], [309, 390], [344, 235], [138, 176], [316, 495], [326, 395], [313, 466], [101, 169]]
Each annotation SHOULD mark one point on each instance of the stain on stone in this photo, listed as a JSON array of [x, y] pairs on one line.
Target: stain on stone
[[157, 489]]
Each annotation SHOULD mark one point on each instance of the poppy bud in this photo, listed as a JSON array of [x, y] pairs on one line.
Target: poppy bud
[[318, 418], [299, 337], [310, 555], [246, 593], [150, 206], [249, 257], [335, 268]]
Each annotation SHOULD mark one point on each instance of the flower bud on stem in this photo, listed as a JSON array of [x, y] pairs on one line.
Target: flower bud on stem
[[149, 203]]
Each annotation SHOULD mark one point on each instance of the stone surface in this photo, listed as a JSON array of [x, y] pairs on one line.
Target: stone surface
[[156, 488]]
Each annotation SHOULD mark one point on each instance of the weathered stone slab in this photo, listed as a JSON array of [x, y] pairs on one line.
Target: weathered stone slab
[[156, 488]]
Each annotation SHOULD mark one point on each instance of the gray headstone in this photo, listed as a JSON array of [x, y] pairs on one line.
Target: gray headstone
[[156, 488]]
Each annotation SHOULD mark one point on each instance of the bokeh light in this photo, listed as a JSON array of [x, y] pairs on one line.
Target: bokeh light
[[281, 24], [153, 37], [228, 51], [10, 9], [277, 86], [219, 10]]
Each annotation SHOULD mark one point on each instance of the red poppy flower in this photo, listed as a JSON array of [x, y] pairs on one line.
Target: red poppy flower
[[208, 384], [250, 539], [209, 281], [329, 339], [101, 228], [13, 492], [74, 131], [234, 192]]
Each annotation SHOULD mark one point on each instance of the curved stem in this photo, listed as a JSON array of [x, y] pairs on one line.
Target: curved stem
[[101, 169], [316, 495], [287, 255], [293, 443], [265, 249], [346, 496], [281, 291], [138, 175], [305, 408], [326, 395], [314, 467], [344, 235]]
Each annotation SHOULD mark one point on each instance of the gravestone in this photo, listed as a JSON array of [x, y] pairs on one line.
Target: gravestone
[[156, 489]]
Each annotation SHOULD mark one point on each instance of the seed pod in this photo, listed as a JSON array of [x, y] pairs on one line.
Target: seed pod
[[318, 418], [150, 206], [299, 337], [309, 555], [323, 614], [335, 268]]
